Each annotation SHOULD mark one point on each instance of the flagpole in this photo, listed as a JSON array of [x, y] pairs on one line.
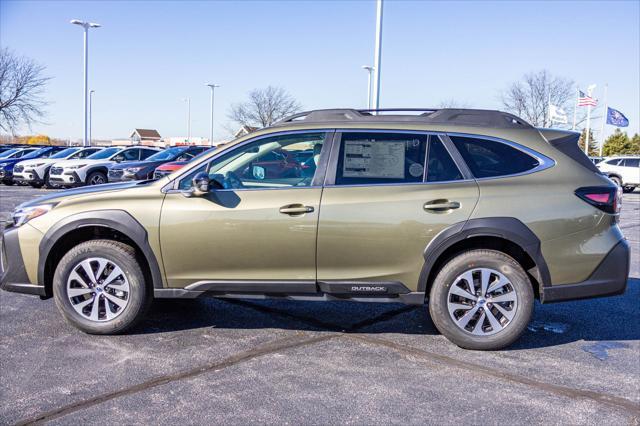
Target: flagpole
[[575, 108], [586, 138], [604, 120]]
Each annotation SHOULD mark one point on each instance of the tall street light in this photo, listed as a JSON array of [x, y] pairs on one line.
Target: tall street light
[[188, 101], [378, 56], [91, 92], [369, 70], [213, 88], [86, 26]]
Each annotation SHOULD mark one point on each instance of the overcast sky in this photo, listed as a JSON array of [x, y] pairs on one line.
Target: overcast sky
[[148, 56]]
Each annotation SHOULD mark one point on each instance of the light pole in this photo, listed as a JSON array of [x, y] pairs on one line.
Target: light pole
[[91, 92], [377, 62], [86, 26], [369, 70], [188, 101], [213, 88]]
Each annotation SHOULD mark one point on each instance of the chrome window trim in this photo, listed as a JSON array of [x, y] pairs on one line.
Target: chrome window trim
[[544, 162], [175, 181]]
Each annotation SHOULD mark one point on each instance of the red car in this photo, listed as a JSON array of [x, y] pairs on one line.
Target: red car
[[168, 168]]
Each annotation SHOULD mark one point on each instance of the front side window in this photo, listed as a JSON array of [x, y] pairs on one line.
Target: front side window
[[377, 158], [65, 153], [488, 158], [107, 153], [613, 162], [84, 153], [129, 155], [269, 162]]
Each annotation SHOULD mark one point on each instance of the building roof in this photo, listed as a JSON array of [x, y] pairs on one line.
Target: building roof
[[245, 130], [147, 133]]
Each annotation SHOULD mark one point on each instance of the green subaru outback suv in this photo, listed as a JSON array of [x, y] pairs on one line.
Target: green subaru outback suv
[[476, 213]]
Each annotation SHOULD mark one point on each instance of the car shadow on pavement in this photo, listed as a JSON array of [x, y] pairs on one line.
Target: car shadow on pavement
[[610, 319]]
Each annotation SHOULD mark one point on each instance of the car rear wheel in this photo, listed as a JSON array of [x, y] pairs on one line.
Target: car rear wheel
[[99, 287], [616, 180], [96, 178], [482, 300]]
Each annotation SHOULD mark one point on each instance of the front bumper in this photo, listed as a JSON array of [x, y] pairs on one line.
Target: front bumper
[[27, 176], [13, 274], [608, 279], [66, 179], [6, 175]]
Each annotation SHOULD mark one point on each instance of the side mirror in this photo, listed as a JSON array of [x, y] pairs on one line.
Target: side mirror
[[199, 185]]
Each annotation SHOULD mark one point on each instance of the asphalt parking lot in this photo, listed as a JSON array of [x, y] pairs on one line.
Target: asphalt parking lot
[[238, 362]]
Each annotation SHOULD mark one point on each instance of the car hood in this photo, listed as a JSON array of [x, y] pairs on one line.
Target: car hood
[[173, 165], [84, 190], [11, 161], [67, 163], [33, 161], [126, 165]]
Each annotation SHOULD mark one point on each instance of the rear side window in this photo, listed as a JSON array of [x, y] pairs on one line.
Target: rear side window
[[378, 158], [632, 162], [488, 158], [440, 165], [147, 153]]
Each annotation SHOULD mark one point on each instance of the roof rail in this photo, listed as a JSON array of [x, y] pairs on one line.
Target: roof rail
[[467, 117]]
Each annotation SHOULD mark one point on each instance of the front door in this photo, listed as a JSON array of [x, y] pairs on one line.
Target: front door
[[380, 209], [256, 233]]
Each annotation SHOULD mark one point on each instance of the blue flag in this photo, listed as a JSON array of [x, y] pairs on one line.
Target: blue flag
[[616, 118]]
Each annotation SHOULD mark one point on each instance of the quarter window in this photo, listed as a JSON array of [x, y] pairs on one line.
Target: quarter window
[[488, 158], [632, 162], [379, 158]]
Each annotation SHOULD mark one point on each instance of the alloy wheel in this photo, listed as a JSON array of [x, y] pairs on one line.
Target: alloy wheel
[[97, 180], [98, 289], [482, 301]]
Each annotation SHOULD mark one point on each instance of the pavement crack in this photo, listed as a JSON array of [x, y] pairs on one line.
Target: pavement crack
[[267, 349], [624, 404]]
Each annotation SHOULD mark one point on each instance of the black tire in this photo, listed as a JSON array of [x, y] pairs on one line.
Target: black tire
[[8, 182], [616, 180], [498, 261], [123, 255], [94, 176], [628, 189], [35, 185]]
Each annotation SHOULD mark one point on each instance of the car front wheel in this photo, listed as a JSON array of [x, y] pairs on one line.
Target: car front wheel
[[482, 300], [99, 287]]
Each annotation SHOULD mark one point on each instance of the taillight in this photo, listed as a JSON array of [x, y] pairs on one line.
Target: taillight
[[606, 198]]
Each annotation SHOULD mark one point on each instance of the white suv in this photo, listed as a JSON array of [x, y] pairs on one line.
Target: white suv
[[623, 170], [93, 169], [36, 172]]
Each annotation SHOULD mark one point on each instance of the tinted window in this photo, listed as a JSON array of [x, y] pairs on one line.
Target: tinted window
[[145, 153], [167, 154], [104, 154], [487, 158], [85, 153], [130, 154], [632, 162], [378, 158], [612, 162], [65, 153], [440, 165]]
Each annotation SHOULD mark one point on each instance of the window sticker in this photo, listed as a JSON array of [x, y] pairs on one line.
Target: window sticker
[[415, 170], [381, 159]]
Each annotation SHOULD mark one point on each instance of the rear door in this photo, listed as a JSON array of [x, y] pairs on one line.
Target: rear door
[[386, 195]]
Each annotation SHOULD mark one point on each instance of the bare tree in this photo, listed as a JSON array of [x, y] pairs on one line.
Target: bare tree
[[21, 86], [264, 107], [453, 103], [530, 97]]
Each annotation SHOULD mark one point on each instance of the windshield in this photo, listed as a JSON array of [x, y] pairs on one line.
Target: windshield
[[105, 153], [167, 154], [64, 153], [35, 154], [9, 153]]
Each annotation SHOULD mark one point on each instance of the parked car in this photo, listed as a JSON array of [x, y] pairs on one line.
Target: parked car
[[168, 168], [144, 169], [36, 172], [623, 170], [93, 169], [400, 209], [7, 164], [16, 152]]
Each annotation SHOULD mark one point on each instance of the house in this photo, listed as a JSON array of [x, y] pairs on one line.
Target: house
[[245, 130], [147, 137]]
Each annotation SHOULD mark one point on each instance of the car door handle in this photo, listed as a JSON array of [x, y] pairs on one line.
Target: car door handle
[[441, 205], [295, 209]]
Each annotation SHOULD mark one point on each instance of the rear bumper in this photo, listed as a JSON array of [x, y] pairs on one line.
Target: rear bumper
[[608, 279], [13, 274]]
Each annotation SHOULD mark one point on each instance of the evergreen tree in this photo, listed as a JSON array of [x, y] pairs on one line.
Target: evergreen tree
[[620, 143], [593, 144]]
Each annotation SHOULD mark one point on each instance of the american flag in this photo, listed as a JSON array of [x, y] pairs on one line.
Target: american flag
[[586, 100]]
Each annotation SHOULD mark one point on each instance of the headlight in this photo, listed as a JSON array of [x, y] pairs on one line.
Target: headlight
[[2, 165], [133, 169], [79, 166], [24, 215]]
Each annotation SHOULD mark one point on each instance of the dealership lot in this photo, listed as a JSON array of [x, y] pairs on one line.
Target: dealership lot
[[276, 361]]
